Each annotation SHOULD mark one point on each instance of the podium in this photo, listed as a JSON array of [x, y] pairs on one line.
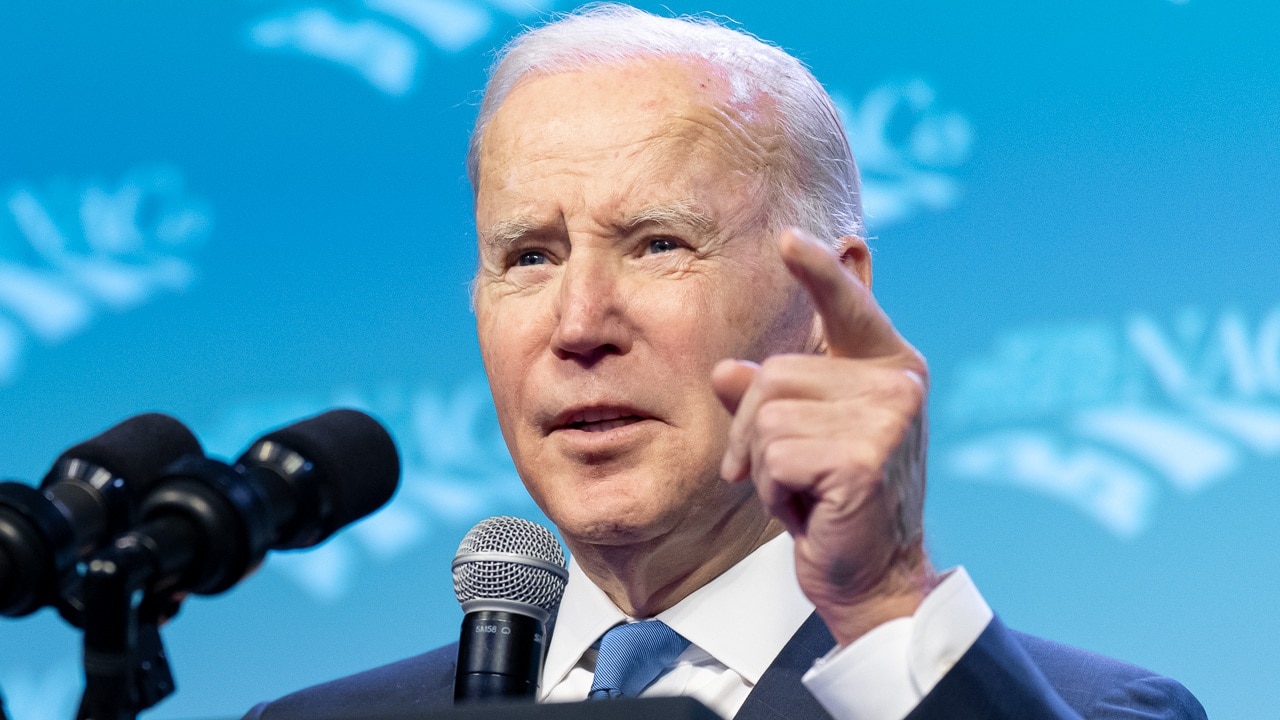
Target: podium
[[661, 708]]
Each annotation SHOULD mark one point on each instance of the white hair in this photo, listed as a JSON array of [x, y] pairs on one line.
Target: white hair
[[816, 181]]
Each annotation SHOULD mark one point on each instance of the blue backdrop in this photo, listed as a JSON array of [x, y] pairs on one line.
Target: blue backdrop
[[243, 212]]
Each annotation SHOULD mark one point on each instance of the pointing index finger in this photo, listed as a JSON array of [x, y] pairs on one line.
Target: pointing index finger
[[852, 321]]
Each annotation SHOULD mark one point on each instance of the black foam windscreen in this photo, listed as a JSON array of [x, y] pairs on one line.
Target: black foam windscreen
[[354, 455], [138, 448]]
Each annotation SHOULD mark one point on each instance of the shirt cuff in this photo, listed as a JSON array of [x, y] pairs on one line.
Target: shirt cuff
[[884, 674]]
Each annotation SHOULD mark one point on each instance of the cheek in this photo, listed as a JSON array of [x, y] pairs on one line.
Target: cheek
[[789, 326], [685, 321], [749, 310], [758, 314], [502, 348]]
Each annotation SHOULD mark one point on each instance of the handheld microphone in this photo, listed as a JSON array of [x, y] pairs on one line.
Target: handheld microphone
[[509, 575], [204, 524], [88, 497]]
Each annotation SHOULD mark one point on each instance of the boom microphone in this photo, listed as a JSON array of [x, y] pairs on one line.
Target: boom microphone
[[88, 497], [509, 575], [204, 525]]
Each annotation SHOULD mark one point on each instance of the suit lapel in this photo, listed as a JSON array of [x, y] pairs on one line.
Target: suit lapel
[[779, 694]]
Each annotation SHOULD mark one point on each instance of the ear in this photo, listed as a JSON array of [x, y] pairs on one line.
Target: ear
[[856, 256]]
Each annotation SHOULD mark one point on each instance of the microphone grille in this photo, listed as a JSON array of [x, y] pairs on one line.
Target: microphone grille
[[510, 560]]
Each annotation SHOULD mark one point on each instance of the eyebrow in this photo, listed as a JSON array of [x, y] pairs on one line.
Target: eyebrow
[[505, 234], [682, 213]]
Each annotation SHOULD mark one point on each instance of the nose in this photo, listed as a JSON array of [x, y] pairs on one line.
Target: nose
[[590, 310]]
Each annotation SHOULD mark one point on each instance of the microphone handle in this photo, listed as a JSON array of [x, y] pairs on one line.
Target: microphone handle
[[500, 656]]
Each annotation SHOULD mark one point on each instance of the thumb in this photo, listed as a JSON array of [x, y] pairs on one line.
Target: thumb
[[730, 379]]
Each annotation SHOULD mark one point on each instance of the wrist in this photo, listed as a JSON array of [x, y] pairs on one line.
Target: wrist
[[899, 594]]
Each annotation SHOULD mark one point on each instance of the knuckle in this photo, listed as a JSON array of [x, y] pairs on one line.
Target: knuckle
[[907, 386], [919, 367], [771, 418], [862, 459], [776, 459], [773, 364], [775, 372], [913, 388], [767, 382]]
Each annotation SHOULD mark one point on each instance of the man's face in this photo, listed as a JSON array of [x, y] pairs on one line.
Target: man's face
[[623, 252]]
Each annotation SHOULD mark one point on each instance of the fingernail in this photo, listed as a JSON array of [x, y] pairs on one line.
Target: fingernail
[[735, 469], [726, 470]]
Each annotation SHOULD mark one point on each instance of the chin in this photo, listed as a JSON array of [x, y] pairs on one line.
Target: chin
[[590, 524]]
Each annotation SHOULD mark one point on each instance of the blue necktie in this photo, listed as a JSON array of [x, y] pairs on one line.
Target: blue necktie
[[631, 656]]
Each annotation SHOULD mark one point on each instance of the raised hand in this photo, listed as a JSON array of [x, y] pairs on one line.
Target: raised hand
[[835, 445]]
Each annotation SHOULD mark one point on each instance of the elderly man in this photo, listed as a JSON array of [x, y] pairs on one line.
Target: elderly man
[[698, 389]]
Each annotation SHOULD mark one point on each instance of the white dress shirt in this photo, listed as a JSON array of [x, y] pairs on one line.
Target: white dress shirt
[[732, 642], [884, 674], [739, 622]]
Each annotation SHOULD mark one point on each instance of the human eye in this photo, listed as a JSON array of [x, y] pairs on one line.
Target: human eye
[[531, 257], [663, 244]]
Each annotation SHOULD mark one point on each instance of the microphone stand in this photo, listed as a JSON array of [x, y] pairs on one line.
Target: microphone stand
[[125, 667]]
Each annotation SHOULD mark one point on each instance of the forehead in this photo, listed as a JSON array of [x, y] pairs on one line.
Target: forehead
[[640, 127], [646, 88]]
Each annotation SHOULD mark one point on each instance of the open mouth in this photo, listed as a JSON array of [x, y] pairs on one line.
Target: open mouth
[[603, 425], [597, 420]]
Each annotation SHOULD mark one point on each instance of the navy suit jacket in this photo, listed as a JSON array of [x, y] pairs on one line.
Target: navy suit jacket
[[1005, 674]]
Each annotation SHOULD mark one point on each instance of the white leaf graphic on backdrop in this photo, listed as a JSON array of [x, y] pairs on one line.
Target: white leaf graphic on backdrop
[[385, 41], [1105, 416], [906, 146], [71, 251]]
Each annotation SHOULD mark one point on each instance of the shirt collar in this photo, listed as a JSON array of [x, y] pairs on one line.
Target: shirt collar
[[760, 593], [585, 614]]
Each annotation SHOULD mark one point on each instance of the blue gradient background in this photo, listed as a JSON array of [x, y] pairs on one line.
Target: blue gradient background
[[1074, 211]]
